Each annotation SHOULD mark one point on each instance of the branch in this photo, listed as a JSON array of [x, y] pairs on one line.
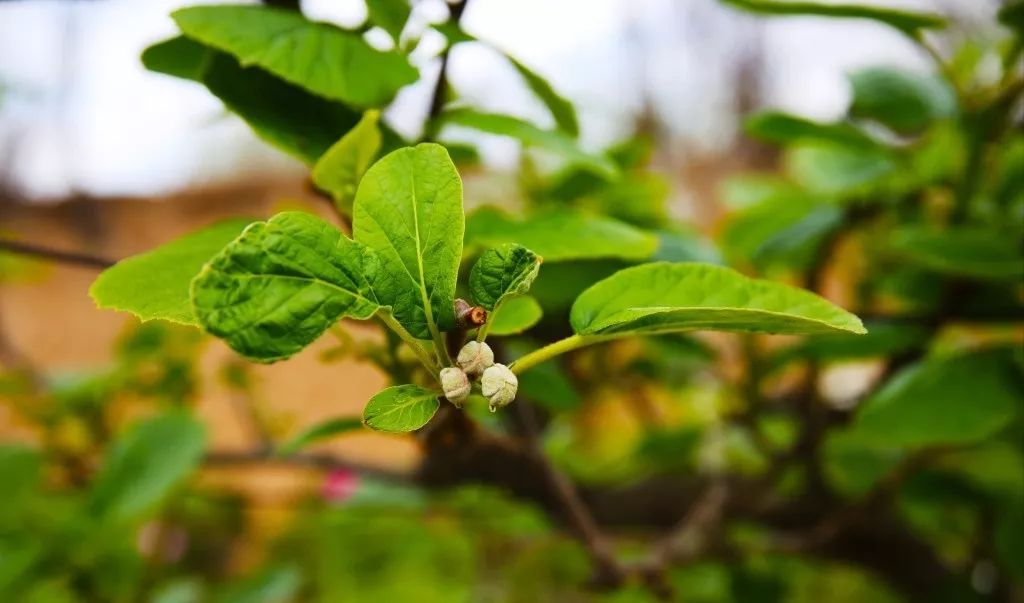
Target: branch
[[833, 525], [609, 572], [688, 539], [311, 460], [55, 255], [437, 99]]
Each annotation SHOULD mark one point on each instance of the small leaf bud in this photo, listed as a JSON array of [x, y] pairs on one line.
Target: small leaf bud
[[468, 316]]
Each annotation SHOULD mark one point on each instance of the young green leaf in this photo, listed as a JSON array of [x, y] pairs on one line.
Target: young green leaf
[[179, 57], [970, 252], [275, 584], [782, 128], [502, 272], [561, 235], [841, 170], [283, 115], [318, 432], [561, 109], [904, 101], [299, 123], [514, 316], [552, 140], [145, 464], [319, 57], [910, 23], [881, 340], [409, 210], [282, 283], [663, 297], [339, 170], [155, 284], [401, 408], [781, 231], [389, 15], [1012, 15], [954, 400]]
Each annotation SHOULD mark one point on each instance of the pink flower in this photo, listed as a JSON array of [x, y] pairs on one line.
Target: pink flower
[[340, 485]]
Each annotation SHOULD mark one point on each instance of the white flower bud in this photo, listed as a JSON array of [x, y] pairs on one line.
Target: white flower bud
[[499, 386], [455, 384], [475, 357]]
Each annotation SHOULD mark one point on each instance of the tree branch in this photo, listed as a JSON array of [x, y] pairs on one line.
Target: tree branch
[[309, 460], [438, 98], [55, 255], [608, 571]]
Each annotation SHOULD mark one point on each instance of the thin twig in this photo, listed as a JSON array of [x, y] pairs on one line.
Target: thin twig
[[686, 540], [312, 460], [609, 572], [830, 527], [56, 255], [438, 98]]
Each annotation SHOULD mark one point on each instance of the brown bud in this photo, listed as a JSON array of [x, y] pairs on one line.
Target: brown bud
[[467, 316]]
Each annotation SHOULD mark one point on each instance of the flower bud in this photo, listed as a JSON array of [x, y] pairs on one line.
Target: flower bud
[[474, 357], [468, 316], [499, 386], [455, 384]]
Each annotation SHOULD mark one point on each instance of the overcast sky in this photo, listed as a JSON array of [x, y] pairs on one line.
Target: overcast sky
[[79, 112]]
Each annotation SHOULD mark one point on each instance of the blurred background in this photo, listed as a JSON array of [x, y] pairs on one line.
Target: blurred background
[[103, 159]]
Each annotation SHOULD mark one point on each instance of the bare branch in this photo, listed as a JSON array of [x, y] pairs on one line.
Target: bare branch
[[56, 255], [608, 571], [313, 460]]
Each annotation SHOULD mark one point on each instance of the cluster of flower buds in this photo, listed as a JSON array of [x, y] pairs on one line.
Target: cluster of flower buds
[[476, 359]]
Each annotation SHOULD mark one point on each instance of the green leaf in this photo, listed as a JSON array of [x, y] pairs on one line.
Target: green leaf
[[20, 472], [782, 128], [682, 244], [501, 272], [324, 59], [339, 170], [401, 408], [409, 210], [561, 109], [953, 400], [663, 297], [285, 116], [904, 101], [781, 230], [1012, 15], [561, 235], [279, 584], [318, 432], [515, 315], [155, 284], [145, 463], [853, 464], [179, 57], [754, 188], [389, 15], [880, 340], [909, 23], [841, 170], [964, 251], [282, 283], [530, 135]]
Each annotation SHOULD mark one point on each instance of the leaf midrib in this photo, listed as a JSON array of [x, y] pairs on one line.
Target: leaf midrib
[[666, 309]]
